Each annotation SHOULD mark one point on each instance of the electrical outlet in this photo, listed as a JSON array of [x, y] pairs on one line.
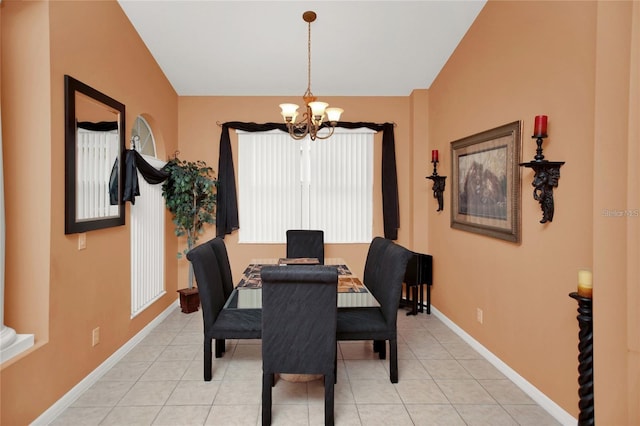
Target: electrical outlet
[[95, 336], [82, 241], [479, 315]]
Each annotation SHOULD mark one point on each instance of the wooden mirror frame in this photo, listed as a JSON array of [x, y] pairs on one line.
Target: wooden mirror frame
[[72, 223]]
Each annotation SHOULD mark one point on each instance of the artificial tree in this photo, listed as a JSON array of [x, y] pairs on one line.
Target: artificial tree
[[190, 196]]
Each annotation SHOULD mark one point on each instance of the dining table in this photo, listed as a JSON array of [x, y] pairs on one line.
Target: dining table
[[352, 293]]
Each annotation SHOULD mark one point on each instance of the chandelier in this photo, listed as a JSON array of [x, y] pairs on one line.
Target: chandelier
[[316, 113]]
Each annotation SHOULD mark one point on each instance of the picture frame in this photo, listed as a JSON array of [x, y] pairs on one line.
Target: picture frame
[[485, 195]]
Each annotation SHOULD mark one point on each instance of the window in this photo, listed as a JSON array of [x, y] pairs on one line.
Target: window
[[322, 184], [147, 229], [142, 137]]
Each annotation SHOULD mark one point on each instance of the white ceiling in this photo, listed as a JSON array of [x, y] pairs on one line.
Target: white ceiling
[[259, 48]]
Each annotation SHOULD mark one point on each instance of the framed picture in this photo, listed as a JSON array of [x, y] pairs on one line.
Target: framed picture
[[485, 197]]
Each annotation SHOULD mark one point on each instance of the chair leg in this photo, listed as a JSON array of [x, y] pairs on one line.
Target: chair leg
[[208, 359], [267, 383], [220, 347], [428, 299], [335, 368], [393, 360], [382, 349], [379, 345], [328, 399]]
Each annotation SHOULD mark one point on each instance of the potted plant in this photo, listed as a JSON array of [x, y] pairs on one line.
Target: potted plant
[[190, 196]]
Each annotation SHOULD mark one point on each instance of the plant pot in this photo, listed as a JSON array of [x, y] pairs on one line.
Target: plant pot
[[189, 299]]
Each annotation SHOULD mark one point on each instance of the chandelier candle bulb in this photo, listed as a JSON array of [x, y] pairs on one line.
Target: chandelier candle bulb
[[289, 112], [540, 126], [333, 115], [585, 283], [434, 155]]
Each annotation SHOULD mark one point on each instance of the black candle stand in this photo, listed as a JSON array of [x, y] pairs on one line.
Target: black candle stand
[[585, 360], [438, 186], [546, 177]]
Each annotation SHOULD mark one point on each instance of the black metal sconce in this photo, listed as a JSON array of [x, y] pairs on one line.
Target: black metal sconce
[[547, 173], [438, 181]]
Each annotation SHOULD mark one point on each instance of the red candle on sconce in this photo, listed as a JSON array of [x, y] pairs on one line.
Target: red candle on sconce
[[540, 126], [434, 155]]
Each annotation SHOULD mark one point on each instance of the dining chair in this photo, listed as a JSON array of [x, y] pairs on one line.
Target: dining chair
[[379, 324], [219, 323], [299, 315], [305, 243]]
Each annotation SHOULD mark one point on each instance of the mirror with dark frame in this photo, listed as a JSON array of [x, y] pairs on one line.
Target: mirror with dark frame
[[94, 158]]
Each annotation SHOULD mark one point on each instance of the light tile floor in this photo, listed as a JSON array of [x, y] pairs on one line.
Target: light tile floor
[[443, 381]]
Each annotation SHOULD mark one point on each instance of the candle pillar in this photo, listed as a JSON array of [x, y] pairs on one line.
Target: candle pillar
[[585, 283], [540, 126], [434, 155]]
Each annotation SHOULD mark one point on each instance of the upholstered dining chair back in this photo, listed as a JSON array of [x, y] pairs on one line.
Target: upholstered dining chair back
[[299, 310], [207, 272], [393, 265], [220, 249], [372, 265], [305, 243]]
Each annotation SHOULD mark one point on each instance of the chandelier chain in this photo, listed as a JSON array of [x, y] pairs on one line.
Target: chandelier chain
[[308, 92]]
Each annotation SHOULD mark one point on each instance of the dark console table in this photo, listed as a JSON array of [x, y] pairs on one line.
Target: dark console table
[[418, 274]]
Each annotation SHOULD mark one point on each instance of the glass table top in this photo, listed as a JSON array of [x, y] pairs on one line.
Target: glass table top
[[352, 293]]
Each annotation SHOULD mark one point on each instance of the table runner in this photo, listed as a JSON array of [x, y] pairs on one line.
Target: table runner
[[347, 283]]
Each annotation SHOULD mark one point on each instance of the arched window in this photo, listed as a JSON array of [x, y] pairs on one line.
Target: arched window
[[142, 137]]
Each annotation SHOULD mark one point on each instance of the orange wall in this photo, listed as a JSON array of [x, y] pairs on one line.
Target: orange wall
[[53, 290], [518, 60], [570, 61], [199, 138]]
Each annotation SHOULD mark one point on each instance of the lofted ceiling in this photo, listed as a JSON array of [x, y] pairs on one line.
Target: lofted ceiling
[[259, 48]]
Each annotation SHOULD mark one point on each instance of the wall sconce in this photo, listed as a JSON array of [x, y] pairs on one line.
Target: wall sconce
[[438, 181], [547, 173]]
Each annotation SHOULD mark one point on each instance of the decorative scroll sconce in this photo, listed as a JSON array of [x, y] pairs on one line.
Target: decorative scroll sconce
[[438, 181], [547, 173]]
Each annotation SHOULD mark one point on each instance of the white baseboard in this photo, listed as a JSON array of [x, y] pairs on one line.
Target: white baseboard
[[70, 397], [540, 398]]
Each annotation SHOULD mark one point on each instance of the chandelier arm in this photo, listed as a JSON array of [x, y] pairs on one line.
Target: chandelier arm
[[331, 129], [295, 135]]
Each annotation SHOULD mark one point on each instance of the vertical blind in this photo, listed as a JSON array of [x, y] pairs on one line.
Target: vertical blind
[[288, 184], [147, 245], [97, 164]]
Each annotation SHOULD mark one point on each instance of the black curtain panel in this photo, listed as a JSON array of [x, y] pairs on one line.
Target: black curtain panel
[[227, 208], [102, 126], [134, 163]]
